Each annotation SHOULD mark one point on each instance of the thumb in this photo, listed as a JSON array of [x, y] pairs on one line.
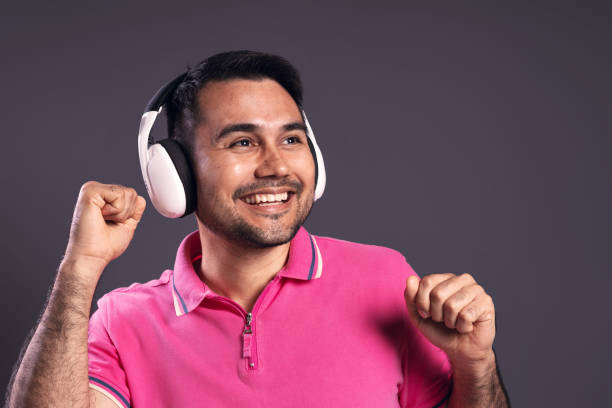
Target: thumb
[[140, 206], [412, 287], [136, 213], [435, 332]]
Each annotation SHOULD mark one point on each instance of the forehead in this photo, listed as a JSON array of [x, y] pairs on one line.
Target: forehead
[[246, 100]]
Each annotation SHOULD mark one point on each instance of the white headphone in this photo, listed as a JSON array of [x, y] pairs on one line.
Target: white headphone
[[165, 165]]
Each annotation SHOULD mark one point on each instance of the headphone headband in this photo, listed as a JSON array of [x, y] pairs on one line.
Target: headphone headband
[[161, 96]]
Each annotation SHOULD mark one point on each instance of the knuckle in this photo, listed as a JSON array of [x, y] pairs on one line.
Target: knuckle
[[117, 188], [421, 307], [458, 297], [88, 186], [462, 327], [427, 282], [468, 277], [466, 314], [436, 295], [452, 304], [449, 308], [422, 303], [430, 281]]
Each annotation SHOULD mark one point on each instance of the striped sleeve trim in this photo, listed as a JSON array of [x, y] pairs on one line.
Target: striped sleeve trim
[[110, 391]]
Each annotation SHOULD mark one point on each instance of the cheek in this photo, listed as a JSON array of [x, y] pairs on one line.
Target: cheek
[[222, 176], [305, 168]]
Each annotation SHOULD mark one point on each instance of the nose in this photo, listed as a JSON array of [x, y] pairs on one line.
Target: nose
[[271, 163]]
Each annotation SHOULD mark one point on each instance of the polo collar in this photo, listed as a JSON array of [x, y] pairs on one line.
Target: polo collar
[[188, 291]]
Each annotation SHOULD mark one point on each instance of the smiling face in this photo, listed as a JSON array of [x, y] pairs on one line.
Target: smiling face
[[253, 168]]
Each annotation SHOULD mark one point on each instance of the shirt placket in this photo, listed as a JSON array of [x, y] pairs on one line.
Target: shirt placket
[[249, 338]]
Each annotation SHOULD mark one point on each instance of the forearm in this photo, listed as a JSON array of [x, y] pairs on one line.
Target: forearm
[[53, 371], [478, 385]]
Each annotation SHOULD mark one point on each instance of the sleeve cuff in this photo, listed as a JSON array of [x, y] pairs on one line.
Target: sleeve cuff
[[110, 391]]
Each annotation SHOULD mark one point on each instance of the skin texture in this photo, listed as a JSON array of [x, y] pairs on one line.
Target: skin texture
[[53, 368], [244, 247], [456, 314], [264, 158]]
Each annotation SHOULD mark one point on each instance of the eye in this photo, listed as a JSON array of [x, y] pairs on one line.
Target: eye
[[241, 143], [293, 140]]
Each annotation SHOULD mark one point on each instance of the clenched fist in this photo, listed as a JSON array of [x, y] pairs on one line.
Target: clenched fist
[[103, 224], [454, 313]]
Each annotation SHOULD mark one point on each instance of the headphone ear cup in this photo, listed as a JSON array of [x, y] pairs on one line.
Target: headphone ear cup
[[173, 191], [320, 174]]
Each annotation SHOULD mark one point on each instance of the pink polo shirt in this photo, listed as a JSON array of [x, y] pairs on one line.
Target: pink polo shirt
[[330, 330]]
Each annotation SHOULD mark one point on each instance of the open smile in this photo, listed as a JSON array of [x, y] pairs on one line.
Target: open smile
[[268, 200]]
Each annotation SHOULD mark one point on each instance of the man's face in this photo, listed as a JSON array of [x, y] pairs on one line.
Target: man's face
[[254, 170]]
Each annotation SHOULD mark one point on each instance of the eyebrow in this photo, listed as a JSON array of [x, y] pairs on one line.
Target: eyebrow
[[295, 126], [250, 128]]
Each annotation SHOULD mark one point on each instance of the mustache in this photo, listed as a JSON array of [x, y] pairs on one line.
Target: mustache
[[250, 188]]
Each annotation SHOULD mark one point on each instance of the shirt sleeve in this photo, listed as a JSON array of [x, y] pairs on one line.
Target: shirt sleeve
[[106, 373], [426, 371]]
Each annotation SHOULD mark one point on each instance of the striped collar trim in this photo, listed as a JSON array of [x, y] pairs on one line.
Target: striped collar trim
[[188, 291]]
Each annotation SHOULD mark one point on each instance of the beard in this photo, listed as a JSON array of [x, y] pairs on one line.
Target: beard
[[224, 219]]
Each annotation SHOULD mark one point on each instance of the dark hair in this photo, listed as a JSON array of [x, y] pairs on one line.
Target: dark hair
[[182, 107]]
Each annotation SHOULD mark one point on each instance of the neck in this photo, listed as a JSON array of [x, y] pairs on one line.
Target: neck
[[237, 272]]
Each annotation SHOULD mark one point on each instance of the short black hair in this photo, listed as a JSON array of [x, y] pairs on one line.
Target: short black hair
[[182, 107]]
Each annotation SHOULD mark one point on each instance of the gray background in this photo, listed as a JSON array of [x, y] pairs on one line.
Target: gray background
[[473, 138]]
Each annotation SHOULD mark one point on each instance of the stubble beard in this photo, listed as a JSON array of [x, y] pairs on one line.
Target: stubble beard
[[225, 221]]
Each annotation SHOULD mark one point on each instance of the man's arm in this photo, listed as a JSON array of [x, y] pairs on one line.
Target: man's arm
[[456, 315], [53, 371], [481, 387]]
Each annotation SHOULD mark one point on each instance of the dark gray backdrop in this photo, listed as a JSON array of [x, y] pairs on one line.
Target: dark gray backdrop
[[472, 138]]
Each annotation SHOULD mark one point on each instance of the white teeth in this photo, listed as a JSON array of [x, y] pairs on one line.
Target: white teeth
[[266, 198]]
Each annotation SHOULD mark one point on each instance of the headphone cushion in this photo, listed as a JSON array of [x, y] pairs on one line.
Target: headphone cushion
[[182, 164]]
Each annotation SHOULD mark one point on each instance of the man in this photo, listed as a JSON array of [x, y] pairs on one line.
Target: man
[[257, 311]]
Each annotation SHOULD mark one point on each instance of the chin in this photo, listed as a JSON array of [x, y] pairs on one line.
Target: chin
[[274, 230], [256, 237], [239, 231]]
